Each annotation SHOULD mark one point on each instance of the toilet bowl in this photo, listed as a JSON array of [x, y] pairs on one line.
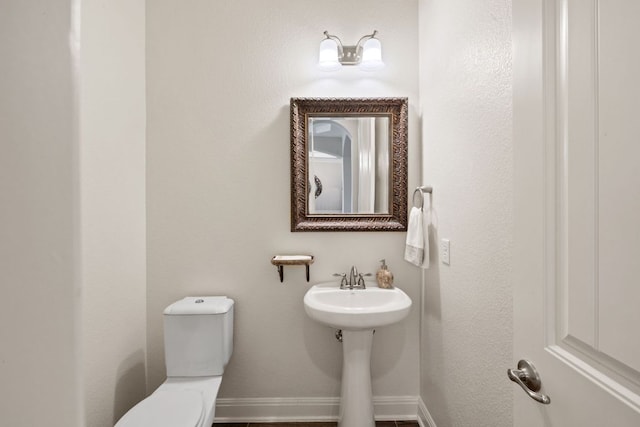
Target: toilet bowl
[[178, 402], [198, 345]]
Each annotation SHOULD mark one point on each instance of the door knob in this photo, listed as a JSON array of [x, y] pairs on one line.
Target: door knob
[[527, 377]]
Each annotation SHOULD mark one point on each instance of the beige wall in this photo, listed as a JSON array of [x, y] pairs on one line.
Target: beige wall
[[39, 287], [73, 219], [112, 165], [465, 101], [219, 79]]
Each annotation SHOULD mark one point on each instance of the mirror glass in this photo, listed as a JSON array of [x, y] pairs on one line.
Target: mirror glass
[[348, 164]]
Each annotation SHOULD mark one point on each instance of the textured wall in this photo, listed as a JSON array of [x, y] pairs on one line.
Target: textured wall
[[39, 343], [465, 93], [112, 130], [220, 76], [72, 240]]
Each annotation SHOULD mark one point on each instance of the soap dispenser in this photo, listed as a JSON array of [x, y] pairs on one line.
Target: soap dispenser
[[384, 276]]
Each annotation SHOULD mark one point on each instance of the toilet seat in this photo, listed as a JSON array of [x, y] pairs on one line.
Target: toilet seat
[[167, 408]]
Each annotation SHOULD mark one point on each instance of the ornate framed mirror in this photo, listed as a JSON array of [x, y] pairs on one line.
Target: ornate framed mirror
[[349, 164]]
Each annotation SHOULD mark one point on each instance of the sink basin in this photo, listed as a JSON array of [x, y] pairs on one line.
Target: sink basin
[[356, 309]]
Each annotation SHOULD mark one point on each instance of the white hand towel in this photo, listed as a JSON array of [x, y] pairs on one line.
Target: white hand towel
[[417, 244], [414, 249]]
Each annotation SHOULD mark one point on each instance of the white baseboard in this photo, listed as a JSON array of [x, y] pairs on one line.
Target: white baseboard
[[307, 409], [424, 417]]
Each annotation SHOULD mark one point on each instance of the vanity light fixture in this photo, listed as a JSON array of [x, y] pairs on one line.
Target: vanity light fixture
[[367, 53]]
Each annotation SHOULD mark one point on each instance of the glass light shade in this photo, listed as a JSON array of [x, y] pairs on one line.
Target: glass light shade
[[328, 58], [371, 55]]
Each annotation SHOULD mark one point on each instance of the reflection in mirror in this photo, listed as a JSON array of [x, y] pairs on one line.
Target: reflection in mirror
[[348, 165]]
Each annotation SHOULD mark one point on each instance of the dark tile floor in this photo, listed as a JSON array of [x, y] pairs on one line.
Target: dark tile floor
[[319, 424]]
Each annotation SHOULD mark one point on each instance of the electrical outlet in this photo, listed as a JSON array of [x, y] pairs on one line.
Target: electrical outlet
[[445, 251]]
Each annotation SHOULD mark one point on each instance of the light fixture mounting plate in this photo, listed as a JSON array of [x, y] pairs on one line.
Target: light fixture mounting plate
[[351, 55]]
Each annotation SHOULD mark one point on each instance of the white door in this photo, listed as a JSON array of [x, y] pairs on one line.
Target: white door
[[577, 211]]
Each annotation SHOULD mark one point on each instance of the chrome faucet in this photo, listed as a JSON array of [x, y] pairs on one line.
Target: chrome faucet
[[355, 281], [353, 277]]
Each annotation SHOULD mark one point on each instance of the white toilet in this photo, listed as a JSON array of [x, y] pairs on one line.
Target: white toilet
[[198, 341]]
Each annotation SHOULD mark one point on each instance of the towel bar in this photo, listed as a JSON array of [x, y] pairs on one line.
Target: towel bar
[[421, 190]]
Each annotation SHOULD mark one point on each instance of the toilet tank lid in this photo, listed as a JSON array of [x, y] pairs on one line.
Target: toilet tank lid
[[200, 305]]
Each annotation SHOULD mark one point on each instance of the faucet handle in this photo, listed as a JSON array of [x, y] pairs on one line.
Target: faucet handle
[[361, 279], [343, 280]]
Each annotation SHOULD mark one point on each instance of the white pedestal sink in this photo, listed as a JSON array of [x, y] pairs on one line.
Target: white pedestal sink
[[357, 312]]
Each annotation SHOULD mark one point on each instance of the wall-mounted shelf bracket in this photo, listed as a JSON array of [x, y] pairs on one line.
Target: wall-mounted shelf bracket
[[281, 260]]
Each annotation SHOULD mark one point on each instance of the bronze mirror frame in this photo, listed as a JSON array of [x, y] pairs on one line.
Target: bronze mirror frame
[[300, 111]]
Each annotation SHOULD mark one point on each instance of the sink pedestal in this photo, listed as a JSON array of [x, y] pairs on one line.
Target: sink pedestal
[[356, 403]]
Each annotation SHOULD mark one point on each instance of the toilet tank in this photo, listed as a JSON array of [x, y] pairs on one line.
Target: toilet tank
[[198, 336]]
